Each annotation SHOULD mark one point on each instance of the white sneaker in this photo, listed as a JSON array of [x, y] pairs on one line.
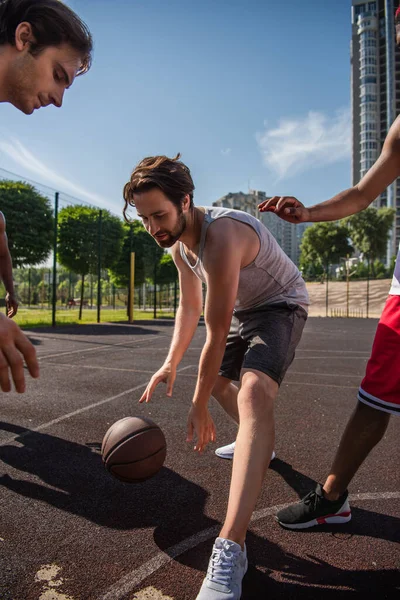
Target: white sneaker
[[228, 452], [226, 569]]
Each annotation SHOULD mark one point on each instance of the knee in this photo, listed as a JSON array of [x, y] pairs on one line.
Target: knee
[[257, 395]]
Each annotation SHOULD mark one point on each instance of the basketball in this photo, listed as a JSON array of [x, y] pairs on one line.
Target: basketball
[[134, 449]]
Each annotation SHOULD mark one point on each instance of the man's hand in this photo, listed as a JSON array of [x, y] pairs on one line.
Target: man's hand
[[201, 423], [287, 208], [166, 374], [11, 305], [13, 344]]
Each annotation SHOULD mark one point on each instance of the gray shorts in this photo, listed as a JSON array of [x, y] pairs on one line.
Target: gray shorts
[[263, 338]]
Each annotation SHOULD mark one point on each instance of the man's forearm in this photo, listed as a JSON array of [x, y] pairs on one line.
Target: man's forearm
[[186, 322], [342, 205], [209, 365], [6, 273]]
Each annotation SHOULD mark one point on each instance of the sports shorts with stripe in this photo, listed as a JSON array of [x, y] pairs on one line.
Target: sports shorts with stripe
[[380, 387]]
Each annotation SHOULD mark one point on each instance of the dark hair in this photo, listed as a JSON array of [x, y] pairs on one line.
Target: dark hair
[[170, 175], [53, 24]]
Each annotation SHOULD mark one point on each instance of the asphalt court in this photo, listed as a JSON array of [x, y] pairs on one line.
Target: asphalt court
[[68, 531]]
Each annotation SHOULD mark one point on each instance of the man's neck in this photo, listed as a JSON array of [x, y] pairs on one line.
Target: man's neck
[[191, 235]]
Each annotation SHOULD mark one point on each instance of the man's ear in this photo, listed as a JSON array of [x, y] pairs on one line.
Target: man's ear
[[23, 36], [186, 203]]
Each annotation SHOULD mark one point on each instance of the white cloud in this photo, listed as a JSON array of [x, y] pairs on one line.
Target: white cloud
[[298, 145], [15, 150], [226, 151]]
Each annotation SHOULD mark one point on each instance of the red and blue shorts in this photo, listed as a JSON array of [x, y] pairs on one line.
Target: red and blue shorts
[[380, 387]]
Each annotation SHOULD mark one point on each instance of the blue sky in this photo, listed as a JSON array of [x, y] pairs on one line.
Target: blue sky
[[250, 92]]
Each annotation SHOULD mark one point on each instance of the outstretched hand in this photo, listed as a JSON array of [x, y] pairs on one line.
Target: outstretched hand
[[200, 423], [167, 374], [14, 348], [287, 208]]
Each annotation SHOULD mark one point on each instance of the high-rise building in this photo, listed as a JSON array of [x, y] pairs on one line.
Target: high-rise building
[[371, 77], [288, 235]]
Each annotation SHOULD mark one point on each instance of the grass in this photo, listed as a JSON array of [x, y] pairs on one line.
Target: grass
[[41, 317]]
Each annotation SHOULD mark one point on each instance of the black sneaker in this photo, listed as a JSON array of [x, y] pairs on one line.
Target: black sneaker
[[315, 509]]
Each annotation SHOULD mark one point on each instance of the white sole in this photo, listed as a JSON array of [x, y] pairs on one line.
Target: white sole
[[230, 456], [337, 519]]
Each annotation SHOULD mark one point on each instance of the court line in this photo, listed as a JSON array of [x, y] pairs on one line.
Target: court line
[[131, 580], [146, 339], [102, 368], [79, 411]]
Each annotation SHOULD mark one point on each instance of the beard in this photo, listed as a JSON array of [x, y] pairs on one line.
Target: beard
[[22, 83], [174, 235]]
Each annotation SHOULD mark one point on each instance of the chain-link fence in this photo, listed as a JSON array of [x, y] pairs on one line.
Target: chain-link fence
[[86, 275]]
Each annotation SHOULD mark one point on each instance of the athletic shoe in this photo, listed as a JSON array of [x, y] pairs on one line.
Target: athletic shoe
[[315, 509], [226, 569], [228, 451]]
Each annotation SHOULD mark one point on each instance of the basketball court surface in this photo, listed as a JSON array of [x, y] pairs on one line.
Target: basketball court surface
[[69, 531]]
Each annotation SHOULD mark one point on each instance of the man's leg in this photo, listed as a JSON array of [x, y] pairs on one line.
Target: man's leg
[[365, 429], [378, 396], [254, 445], [226, 394]]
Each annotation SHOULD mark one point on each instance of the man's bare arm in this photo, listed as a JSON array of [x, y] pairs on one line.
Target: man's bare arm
[[221, 261], [6, 274], [186, 321], [189, 310], [348, 202]]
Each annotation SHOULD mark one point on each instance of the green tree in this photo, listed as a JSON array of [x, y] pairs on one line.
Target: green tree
[[78, 241], [369, 232], [324, 244], [29, 222], [137, 240], [166, 272]]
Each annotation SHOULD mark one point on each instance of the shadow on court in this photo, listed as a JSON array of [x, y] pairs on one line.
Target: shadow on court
[[85, 488]]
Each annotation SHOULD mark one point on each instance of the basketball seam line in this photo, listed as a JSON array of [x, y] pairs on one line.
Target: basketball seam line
[[105, 458]]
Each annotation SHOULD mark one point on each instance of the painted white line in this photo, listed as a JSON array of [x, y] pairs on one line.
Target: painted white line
[[322, 357], [322, 385], [334, 351], [100, 347], [79, 411], [342, 376], [74, 366], [127, 583]]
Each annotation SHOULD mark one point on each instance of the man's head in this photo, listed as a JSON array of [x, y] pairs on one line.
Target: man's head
[[161, 189], [397, 23], [44, 45]]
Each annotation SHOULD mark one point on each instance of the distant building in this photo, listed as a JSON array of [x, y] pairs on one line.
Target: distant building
[[371, 79], [286, 234]]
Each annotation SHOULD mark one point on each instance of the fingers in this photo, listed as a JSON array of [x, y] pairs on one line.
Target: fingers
[[268, 204], [5, 383], [15, 363], [170, 384], [190, 430], [15, 347], [205, 435], [278, 203], [29, 353], [154, 381]]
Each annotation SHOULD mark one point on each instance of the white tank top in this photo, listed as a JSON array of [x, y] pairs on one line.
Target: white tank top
[[271, 277], [395, 289]]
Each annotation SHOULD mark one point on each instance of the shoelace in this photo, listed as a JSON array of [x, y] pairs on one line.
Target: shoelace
[[221, 566], [312, 498]]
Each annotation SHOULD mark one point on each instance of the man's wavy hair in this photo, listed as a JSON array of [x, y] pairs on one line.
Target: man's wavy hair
[[53, 24], [170, 175], [397, 17]]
